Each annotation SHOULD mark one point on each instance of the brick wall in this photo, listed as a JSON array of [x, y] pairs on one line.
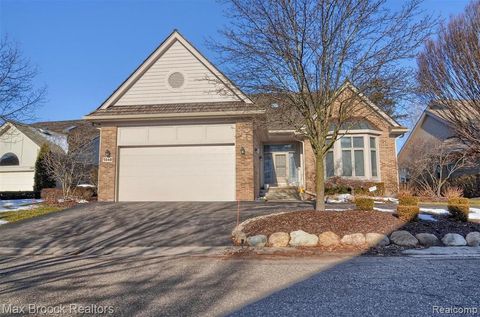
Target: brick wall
[[387, 152], [107, 170], [245, 167]]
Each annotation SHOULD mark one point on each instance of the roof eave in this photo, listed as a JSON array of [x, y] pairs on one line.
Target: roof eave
[[188, 115]]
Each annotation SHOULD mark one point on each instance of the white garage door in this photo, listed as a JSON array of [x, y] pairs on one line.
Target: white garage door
[[177, 173], [16, 181]]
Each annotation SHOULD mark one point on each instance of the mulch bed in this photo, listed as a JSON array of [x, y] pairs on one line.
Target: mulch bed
[[348, 222]]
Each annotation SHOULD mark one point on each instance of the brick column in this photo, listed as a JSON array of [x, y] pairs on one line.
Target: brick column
[[245, 176], [107, 168]]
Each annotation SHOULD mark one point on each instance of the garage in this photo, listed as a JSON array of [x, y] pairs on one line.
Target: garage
[[176, 163]]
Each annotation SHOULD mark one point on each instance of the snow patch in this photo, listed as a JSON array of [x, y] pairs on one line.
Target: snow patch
[[434, 211], [18, 204], [2, 222], [474, 216], [426, 217]]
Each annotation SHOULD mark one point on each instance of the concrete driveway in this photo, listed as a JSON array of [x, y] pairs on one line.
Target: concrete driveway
[[103, 226]]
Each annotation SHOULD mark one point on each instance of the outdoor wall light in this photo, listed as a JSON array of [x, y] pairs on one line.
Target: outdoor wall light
[[242, 150]]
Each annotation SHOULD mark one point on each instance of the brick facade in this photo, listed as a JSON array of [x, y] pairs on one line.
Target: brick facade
[[245, 163], [387, 154], [107, 170]]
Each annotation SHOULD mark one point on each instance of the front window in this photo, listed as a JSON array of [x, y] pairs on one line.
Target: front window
[[353, 156], [9, 159], [353, 162]]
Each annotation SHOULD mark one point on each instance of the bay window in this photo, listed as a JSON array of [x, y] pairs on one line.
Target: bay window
[[353, 156]]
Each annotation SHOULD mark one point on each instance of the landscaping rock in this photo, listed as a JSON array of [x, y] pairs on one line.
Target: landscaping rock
[[279, 239], [239, 237], [328, 239], [473, 239], [376, 239], [258, 241], [353, 239], [427, 239], [301, 238], [454, 240], [403, 238]]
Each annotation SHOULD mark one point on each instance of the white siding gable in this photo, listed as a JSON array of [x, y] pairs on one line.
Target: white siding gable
[[14, 141], [201, 84]]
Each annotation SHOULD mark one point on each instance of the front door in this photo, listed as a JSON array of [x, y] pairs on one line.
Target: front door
[[280, 168]]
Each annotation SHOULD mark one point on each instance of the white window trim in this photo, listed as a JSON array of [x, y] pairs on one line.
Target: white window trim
[[367, 161]]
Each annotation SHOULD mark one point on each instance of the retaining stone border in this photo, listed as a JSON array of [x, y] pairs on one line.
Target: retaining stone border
[[300, 238]]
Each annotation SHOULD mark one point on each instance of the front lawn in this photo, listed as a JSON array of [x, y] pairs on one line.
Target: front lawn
[[43, 209]]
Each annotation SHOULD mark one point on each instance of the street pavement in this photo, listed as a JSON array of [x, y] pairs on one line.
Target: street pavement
[[217, 286]]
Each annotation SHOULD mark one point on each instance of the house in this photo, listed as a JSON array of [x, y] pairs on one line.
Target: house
[[20, 144], [177, 129], [433, 126]]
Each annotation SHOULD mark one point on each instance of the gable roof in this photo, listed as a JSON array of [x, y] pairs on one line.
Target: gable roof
[[274, 116], [54, 133], [155, 55]]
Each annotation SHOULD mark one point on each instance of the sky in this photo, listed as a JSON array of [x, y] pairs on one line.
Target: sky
[[85, 49]]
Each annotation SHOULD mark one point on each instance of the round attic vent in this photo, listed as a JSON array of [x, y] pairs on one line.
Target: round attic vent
[[176, 80]]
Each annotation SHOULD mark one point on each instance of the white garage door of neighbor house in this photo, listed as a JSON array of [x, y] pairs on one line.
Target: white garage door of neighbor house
[[177, 173]]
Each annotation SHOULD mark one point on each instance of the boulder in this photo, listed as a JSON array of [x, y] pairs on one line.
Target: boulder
[[239, 237], [328, 239], [353, 239], [473, 239], [301, 238], [454, 240], [376, 239], [258, 241], [279, 239], [427, 239], [403, 238]]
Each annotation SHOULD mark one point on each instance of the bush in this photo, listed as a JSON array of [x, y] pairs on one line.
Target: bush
[[337, 185], [470, 184], [51, 195], [452, 192], [364, 203], [84, 193], [459, 208], [42, 179], [458, 201], [408, 200], [19, 195], [407, 213], [459, 212]]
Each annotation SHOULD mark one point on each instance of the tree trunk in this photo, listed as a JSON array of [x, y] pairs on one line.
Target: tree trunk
[[320, 183]]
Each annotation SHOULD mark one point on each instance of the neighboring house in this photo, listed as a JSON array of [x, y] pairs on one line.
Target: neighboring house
[[20, 144], [178, 130], [432, 126]]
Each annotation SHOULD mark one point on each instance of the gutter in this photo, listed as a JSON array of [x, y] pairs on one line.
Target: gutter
[[189, 115]]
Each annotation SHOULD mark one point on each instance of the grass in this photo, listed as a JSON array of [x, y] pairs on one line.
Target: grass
[[13, 216]]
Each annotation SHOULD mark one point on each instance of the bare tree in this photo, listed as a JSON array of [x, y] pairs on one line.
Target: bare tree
[[433, 163], [302, 52], [449, 74], [18, 95], [74, 166]]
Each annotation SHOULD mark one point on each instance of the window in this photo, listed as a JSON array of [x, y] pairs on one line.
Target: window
[[329, 164], [9, 159], [373, 156], [353, 162]]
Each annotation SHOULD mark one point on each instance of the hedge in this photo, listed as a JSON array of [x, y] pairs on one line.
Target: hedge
[[459, 208], [364, 203], [407, 213]]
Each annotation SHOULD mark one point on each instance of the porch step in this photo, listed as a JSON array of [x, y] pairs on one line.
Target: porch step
[[282, 193]]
